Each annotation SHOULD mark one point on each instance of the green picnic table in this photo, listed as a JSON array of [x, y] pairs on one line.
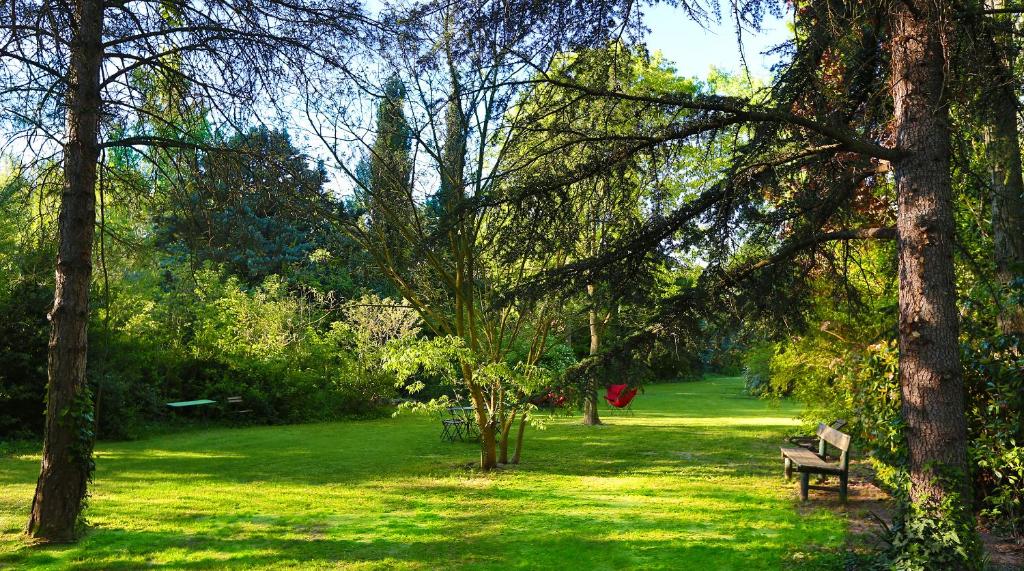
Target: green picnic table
[[186, 403]]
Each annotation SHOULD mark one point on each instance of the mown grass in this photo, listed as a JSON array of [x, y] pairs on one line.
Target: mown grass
[[691, 482]]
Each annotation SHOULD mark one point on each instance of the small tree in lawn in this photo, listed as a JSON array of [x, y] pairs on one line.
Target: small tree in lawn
[[439, 254], [432, 211]]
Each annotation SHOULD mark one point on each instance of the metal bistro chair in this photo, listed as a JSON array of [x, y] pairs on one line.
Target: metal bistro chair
[[466, 413], [453, 425]]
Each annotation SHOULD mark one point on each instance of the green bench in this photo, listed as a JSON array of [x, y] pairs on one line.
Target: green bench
[[807, 462], [235, 404], [813, 443], [190, 403]]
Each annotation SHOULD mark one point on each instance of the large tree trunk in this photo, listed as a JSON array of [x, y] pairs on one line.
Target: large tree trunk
[[1003, 149], [67, 444], [930, 375], [590, 416]]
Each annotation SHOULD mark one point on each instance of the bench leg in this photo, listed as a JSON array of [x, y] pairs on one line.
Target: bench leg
[[805, 480], [844, 480], [787, 468]]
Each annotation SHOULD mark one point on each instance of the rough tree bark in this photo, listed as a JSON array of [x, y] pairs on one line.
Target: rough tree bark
[[590, 415], [488, 447], [1002, 144], [519, 439], [484, 421], [67, 444], [503, 441], [930, 374]]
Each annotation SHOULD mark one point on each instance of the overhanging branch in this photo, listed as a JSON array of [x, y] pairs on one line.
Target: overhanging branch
[[744, 111], [790, 248]]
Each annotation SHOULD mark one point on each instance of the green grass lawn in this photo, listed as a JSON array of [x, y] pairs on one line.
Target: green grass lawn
[[693, 481]]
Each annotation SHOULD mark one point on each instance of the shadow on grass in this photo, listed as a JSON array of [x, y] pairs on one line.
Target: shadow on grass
[[599, 538], [657, 490], [324, 458], [213, 553]]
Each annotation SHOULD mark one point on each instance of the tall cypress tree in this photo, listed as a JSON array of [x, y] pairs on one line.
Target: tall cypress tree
[[390, 169]]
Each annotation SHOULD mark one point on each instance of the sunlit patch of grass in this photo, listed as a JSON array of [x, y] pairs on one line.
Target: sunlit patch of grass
[[692, 481]]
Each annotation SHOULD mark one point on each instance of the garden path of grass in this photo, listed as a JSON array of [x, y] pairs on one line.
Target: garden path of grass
[[693, 481]]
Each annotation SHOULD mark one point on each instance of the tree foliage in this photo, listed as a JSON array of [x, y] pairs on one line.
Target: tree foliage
[[512, 171]]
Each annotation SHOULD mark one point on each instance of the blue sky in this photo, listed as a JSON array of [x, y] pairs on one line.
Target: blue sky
[[694, 50]]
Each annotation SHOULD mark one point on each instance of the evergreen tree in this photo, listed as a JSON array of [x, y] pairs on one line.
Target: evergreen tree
[[388, 186], [256, 206]]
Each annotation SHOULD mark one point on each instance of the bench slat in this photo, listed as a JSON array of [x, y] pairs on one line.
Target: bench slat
[[805, 459], [802, 456], [838, 439]]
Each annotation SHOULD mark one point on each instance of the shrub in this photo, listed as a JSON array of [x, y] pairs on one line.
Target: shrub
[[187, 335], [994, 377], [757, 374]]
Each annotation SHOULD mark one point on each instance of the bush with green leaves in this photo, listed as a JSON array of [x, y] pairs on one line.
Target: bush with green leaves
[[24, 333], [285, 351], [290, 355], [757, 373], [994, 377], [26, 296], [921, 541]]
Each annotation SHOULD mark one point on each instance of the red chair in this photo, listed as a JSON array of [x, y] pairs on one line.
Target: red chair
[[613, 392], [620, 397]]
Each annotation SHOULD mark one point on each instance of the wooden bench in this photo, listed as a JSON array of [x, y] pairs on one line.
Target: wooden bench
[[813, 443], [807, 462]]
